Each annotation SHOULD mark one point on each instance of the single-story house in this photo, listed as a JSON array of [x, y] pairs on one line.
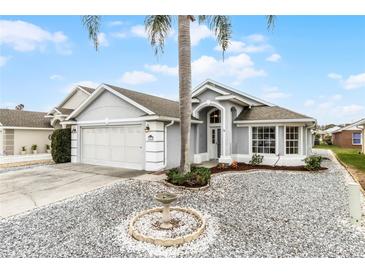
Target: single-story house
[[118, 127], [350, 136], [326, 132], [20, 128]]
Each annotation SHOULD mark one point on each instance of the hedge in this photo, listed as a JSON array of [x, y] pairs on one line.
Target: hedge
[[61, 145]]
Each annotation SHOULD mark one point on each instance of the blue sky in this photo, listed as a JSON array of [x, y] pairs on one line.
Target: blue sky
[[311, 64]]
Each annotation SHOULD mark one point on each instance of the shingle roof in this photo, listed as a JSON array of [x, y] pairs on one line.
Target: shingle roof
[[23, 118], [88, 89], [66, 111], [160, 106], [269, 113]]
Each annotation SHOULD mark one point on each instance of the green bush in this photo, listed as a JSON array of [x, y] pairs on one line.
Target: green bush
[[327, 139], [34, 147], [61, 145], [198, 176], [313, 162], [256, 159]]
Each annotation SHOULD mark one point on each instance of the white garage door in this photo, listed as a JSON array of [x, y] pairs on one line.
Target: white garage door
[[120, 146]]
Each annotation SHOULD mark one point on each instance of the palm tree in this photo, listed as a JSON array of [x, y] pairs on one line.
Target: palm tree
[[158, 28]]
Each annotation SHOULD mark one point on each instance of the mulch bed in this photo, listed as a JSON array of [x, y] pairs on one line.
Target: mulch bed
[[244, 167]]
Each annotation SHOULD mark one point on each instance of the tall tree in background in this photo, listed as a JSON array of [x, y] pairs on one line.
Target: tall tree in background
[[158, 27]]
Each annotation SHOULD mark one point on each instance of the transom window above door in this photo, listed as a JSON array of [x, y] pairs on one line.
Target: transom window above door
[[263, 140], [215, 117]]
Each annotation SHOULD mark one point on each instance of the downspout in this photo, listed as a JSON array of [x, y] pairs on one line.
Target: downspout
[[165, 143]]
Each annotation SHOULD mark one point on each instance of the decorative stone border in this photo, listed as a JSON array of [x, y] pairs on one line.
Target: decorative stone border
[[132, 231]]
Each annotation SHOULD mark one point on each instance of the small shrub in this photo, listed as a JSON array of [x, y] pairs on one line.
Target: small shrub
[[313, 162], [234, 165], [48, 146], [24, 149], [61, 145], [256, 159], [34, 147], [198, 176], [222, 166]]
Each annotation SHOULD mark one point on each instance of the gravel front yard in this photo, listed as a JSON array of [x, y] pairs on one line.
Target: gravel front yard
[[251, 214]]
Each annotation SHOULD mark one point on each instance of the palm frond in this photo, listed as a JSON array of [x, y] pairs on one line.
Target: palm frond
[[158, 27], [222, 28], [270, 21], [92, 25]]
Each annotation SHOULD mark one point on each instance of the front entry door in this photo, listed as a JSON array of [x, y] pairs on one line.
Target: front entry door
[[214, 143]]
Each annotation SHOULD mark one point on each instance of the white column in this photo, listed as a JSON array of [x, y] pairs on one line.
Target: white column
[[74, 143], [155, 146]]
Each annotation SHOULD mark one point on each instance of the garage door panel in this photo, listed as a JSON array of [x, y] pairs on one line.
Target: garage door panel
[[120, 146]]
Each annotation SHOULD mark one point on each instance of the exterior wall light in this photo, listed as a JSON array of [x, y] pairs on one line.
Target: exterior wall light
[[150, 138], [147, 128], [74, 130]]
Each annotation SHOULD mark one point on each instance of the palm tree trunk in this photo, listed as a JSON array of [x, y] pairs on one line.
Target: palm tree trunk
[[184, 48]]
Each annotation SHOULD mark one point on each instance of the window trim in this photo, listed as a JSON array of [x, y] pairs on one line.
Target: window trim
[[300, 145], [251, 140], [352, 138]]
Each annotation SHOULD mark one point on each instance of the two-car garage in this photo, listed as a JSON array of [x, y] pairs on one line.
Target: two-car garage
[[117, 146]]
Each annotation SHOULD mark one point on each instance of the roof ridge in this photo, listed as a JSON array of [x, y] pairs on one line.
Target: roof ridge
[[18, 110]]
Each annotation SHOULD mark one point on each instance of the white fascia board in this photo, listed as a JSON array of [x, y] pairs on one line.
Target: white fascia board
[[233, 98], [304, 120], [195, 100], [32, 128], [96, 93], [208, 86]]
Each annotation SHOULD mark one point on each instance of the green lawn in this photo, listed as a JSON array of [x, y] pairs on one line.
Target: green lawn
[[349, 156]]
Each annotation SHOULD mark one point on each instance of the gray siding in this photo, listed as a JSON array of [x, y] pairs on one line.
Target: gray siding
[[173, 145], [240, 140], [107, 105], [207, 95]]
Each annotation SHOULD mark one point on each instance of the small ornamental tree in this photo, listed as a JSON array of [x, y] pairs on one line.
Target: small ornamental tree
[[61, 145]]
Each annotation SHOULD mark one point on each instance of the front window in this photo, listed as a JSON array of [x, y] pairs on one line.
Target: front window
[[292, 140], [356, 138], [214, 117], [263, 140]]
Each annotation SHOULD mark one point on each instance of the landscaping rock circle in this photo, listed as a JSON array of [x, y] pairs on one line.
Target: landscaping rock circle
[[187, 225]]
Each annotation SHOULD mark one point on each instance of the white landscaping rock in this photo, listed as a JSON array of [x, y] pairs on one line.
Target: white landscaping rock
[[249, 214]]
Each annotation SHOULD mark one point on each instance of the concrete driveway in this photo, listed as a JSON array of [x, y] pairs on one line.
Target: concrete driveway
[[25, 189]]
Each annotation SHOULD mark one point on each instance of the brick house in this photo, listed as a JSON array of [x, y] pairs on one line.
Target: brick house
[[350, 136]]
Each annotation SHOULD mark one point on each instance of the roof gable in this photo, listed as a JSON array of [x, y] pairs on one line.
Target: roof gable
[[228, 93]]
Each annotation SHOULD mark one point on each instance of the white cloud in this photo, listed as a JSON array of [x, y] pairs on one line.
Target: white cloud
[[272, 93], [309, 103], [86, 83], [355, 81], [352, 109], [334, 76], [273, 58], [24, 37], [137, 77], [199, 32], [352, 82], [336, 97], [139, 31], [237, 68], [236, 46], [256, 38], [103, 41], [4, 60], [56, 77], [163, 69]]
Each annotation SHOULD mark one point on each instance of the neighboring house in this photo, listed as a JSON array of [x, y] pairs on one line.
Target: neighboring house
[[327, 132], [350, 136], [123, 128], [74, 99], [20, 128]]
